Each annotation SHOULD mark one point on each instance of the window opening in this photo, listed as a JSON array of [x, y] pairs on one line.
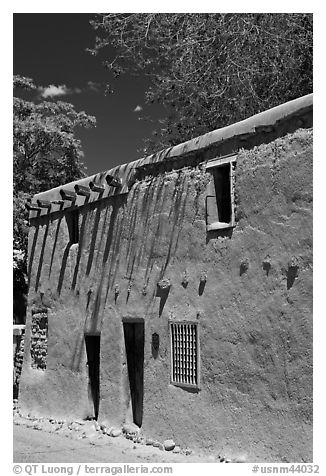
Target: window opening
[[184, 354], [220, 198]]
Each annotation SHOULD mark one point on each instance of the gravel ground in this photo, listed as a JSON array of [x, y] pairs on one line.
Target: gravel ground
[[48, 440]]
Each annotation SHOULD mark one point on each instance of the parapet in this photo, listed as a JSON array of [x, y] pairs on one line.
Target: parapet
[[120, 179]]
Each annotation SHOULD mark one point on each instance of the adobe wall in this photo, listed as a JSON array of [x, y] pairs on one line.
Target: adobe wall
[[254, 311]]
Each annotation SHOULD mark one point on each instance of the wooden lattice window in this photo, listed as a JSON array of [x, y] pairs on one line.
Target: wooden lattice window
[[184, 354], [220, 198]]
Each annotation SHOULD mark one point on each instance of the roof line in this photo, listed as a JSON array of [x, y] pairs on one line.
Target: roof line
[[247, 126]]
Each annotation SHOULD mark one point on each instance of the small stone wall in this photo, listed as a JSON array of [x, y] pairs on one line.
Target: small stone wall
[[18, 362], [39, 338]]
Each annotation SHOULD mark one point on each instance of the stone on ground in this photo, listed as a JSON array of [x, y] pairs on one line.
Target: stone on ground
[[115, 432], [169, 445], [176, 449], [131, 429], [89, 429]]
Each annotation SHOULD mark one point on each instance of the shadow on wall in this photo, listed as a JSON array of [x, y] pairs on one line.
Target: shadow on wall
[[162, 291], [78, 353], [292, 273], [154, 200], [80, 249], [132, 227]]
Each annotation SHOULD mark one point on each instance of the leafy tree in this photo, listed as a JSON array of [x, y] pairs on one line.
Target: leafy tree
[[46, 154], [209, 70]]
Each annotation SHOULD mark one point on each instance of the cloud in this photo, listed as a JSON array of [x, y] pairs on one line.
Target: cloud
[[138, 108], [53, 91], [92, 86]]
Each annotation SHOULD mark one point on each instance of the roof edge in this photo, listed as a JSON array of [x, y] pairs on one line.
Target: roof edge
[[247, 126]]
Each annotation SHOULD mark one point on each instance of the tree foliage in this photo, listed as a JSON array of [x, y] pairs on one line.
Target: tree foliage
[[209, 70], [46, 154]]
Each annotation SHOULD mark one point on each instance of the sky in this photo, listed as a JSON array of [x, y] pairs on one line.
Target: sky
[[50, 49]]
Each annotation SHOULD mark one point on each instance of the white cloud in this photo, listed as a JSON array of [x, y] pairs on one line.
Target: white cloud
[[55, 91], [138, 108]]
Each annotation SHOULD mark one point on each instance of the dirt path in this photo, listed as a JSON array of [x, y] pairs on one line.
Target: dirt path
[[39, 446]]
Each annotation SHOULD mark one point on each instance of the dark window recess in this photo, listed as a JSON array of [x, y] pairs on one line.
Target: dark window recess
[[223, 192], [73, 226], [219, 201]]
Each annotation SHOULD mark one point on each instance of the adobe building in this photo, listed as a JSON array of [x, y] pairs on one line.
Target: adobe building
[[175, 291]]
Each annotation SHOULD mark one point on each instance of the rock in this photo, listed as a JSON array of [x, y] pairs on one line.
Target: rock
[[188, 451], [89, 424], [138, 439], [177, 449], [115, 432], [149, 442], [89, 433], [169, 445], [105, 423], [130, 428], [80, 422], [89, 429], [156, 444]]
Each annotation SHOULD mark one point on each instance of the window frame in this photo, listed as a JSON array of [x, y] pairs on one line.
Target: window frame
[[230, 160], [195, 386]]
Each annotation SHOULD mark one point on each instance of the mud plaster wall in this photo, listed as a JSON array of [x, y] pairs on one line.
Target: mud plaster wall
[[254, 312]]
